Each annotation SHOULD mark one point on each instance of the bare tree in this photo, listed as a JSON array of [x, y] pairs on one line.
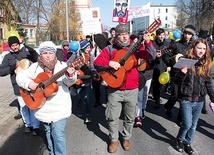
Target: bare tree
[[196, 12]]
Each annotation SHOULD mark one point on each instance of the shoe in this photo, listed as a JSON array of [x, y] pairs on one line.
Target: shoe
[[168, 113], [79, 113], [204, 111], [126, 145], [180, 145], [18, 116], [88, 119], [35, 132], [28, 129], [138, 122], [113, 147], [188, 149], [143, 117]]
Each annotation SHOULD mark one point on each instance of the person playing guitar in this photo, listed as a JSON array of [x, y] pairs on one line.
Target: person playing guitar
[[162, 46], [85, 75], [117, 65], [57, 108]]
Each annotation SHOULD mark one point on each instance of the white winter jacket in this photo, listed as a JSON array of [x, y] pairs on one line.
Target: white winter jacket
[[58, 106]]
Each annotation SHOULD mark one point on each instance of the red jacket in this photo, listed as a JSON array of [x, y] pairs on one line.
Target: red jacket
[[107, 54]]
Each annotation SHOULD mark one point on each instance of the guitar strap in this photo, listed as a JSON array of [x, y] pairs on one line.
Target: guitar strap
[[110, 50]]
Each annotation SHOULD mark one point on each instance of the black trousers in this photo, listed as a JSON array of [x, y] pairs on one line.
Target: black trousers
[[156, 86]]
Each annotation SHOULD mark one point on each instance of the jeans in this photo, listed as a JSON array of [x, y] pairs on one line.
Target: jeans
[[143, 97], [55, 134], [190, 112], [28, 115], [84, 94]]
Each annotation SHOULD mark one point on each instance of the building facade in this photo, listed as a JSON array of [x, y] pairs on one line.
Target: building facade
[[166, 13]]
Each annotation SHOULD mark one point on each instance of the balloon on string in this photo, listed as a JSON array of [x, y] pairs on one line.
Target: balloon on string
[[177, 35], [179, 31], [12, 33], [153, 34], [74, 46], [171, 35], [164, 78]]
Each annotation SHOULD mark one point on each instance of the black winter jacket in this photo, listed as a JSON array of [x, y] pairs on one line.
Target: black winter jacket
[[176, 47], [193, 88], [158, 63], [8, 65]]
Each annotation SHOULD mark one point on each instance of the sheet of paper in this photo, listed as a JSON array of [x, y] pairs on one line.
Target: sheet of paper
[[184, 61]]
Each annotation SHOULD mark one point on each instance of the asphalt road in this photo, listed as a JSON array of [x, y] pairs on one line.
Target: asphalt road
[[156, 137]]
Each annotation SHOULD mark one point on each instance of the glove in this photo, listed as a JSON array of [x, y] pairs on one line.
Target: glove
[[212, 106], [12, 68]]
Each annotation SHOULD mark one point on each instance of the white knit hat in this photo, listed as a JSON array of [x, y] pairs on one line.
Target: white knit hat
[[47, 46]]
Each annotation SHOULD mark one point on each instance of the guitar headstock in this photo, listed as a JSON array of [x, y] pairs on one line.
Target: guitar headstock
[[78, 62], [152, 27]]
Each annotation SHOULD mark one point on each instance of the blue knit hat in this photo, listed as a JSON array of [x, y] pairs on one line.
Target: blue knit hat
[[84, 44]]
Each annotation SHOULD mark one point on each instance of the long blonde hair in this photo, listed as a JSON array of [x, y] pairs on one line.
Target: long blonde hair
[[205, 60]]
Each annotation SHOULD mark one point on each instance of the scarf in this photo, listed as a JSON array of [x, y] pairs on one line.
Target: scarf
[[47, 66], [121, 44], [65, 52]]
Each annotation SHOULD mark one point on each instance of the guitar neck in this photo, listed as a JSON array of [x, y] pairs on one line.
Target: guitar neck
[[131, 51], [55, 77], [78, 62]]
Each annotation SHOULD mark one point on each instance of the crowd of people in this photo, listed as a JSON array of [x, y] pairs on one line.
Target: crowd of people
[[127, 67]]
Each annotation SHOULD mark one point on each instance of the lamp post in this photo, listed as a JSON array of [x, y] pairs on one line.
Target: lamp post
[[66, 5], [194, 20]]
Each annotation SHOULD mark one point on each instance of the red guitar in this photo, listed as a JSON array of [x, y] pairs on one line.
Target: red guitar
[[47, 86], [115, 78]]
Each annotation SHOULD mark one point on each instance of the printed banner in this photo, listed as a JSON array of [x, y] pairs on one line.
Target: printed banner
[[91, 23], [121, 11], [139, 11]]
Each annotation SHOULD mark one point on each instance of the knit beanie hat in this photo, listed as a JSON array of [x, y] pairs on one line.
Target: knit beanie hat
[[84, 44], [121, 28], [65, 42], [12, 40], [190, 28], [47, 46], [203, 34]]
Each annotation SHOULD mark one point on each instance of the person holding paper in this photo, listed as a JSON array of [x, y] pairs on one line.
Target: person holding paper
[[193, 85], [179, 47]]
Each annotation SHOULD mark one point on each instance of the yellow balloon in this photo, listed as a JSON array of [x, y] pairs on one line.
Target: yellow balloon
[[153, 34], [13, 33], [171, 35], [164, 78]]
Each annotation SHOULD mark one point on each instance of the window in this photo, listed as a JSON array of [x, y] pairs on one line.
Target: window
[[166, 18], [166, 10], [158, 11], [31, 33], [166, 26]]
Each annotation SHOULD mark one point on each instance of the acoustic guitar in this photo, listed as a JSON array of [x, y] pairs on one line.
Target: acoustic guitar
[[115, 78], [47, 86], [142, 62], [22, 65]]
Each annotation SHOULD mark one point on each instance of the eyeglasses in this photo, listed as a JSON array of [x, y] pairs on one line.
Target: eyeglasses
[[65, 45]]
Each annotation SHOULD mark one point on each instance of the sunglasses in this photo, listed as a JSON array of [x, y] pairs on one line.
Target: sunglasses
[[65, 45]]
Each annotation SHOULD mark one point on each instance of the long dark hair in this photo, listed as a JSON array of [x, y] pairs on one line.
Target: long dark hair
[[205, 60]]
